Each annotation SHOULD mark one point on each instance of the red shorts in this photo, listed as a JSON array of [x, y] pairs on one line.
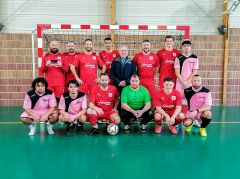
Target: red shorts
[[57, 90], [85, 88], [170, 113], [106, 114], [151, 89]]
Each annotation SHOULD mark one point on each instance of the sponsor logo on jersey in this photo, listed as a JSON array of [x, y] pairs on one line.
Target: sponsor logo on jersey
[[89, 66], [167, 106], [174, 98], [146, 65], [169, 61], [107, 103], [110, 95]]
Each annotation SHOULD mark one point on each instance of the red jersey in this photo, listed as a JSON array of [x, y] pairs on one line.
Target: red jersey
[[168, 102], [108, 58], [88, 64], [146, 64], [70, 58], [104, 99], [55, 76], [166, 61]]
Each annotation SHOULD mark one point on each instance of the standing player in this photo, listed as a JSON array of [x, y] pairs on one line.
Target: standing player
[[55, 65], [199, 102], [168, 105], [109, 54], [103, 103], [73, 106], [148, 65], [167, 56], [88, 63], [71, 56], [39, 104], [136, 103], [186, 66]]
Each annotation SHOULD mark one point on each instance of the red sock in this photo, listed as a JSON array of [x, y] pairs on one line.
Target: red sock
[[158, 121], [93, 119]]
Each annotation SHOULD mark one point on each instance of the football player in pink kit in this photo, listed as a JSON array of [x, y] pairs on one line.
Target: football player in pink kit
[[55, 65], [103, 103], [148, 65], [199, 102], [167, 56], [168, 105], [72, 107], [71, 55], [39, 105], [88, 63], [109, 54], [186, 65]]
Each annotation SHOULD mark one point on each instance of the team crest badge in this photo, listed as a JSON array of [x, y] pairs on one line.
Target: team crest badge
[[59, 58], [173, 98], [151, 58], [114, 55], [94, 57], [110, 95], [174, 54]]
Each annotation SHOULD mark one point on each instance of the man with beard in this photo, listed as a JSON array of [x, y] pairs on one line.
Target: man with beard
[[54, 65], [88, 63], [168, 106], [199, 102], [39, 105], [148, 66], [71, 56], [72, 107], [136, 103], [167, 56], [109, 54], [103, 103]]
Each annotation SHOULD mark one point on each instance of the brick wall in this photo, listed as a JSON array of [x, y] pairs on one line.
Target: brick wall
[[16, 66]]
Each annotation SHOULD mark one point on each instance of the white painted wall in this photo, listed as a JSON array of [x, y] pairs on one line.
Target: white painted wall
[[203, 16]]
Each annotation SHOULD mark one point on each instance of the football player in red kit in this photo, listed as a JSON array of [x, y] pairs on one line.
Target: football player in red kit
[[168, 105], [71, 55], [54, 65], [167, 56], [103, 103], [109, 54], [88, 63]]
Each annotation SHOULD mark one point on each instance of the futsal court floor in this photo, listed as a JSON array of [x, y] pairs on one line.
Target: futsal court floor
[[124, 156]]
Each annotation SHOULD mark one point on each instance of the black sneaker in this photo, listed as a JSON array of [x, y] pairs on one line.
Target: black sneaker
[[143, 128], [93, 131], [79, 128], [70, 126]]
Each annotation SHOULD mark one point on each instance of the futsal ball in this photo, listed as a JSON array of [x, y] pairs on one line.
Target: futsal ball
[[112, 129]]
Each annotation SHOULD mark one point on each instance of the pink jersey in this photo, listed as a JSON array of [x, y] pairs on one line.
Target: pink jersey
[[104, 99], [146, 67], [166, 61], [38, 104], [198, 99], [55, 76], [108, 58], [73, 106], [168, 102], [186, 65], [88, 64], [70, 59]]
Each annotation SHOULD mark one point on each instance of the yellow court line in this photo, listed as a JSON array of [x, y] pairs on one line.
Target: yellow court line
[[224, 122]]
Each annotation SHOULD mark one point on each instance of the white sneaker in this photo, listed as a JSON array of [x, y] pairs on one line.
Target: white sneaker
[[196, 123], [49, 128], [126, 128], [32, 129]]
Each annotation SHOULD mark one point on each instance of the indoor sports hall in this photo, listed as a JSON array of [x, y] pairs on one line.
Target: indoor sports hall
[[27, 28]]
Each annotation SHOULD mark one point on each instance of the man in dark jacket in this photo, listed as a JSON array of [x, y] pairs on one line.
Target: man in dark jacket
[[122, 69]]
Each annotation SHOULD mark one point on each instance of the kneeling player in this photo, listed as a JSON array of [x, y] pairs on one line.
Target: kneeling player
[[103, 103], [73, 106], [39, 105], [199, 102], [168, 106]]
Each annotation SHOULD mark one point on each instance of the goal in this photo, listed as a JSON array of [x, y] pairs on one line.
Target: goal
[[130, 35]]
